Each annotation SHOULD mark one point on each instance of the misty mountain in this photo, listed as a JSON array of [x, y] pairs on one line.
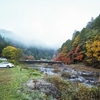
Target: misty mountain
[[19, 39], [7, 34], [37, 51]]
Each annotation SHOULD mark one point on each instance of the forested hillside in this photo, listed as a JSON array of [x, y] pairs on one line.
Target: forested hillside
[[37, 53], [27, 52], [3, 44], [84, 46]]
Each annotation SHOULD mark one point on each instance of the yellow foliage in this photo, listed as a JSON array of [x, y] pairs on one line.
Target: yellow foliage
[[98, 58], [89, 60], [93, 48], [97, 37], [64, 51], [88, 54], [75, 43], [88, 47], [96, 49], [11, 52]]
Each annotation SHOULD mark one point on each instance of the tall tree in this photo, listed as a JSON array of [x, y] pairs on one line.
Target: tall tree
[[11, 52]]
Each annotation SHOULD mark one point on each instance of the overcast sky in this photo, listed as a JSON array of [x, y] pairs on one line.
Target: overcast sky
[[46, 21]]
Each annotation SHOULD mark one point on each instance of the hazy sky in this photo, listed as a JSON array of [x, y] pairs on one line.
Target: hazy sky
[[46, 21]]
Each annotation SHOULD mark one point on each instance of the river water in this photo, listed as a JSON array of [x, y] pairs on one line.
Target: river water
[[85, 77]]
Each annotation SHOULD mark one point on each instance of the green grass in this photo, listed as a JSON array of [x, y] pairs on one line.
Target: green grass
[[11, 79]]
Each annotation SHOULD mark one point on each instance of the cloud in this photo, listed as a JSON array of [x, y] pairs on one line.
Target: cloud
[[51, 22]]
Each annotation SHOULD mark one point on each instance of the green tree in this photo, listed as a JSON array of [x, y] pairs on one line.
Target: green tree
[[67, 44], [3, 44], [11, 52]]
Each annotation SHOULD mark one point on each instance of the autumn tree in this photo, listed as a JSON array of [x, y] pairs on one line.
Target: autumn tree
[[11, 52], [93, 50], [76, 40], [84, 46], [64, 55], [30, 57]]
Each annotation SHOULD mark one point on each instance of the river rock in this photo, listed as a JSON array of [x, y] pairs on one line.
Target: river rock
[[44, 86]]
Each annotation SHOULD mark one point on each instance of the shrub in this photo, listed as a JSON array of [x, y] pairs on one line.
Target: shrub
[[70, 92], [86, 93]]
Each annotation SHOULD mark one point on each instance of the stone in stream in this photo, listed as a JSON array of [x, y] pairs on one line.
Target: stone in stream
[[77, 78]]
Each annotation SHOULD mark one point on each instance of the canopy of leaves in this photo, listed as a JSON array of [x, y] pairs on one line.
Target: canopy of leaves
[[38, 53], [84, 46], [76, 40], [67, 44], [11, 52]]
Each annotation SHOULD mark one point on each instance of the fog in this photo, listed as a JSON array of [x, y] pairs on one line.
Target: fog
[[10, 36], [45, 22]]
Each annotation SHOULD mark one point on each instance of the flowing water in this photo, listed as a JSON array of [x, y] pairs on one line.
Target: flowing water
[[85, 77]]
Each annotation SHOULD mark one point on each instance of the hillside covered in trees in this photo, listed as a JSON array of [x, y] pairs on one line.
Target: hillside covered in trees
[[84, 46], [29, 53], [3, 44]]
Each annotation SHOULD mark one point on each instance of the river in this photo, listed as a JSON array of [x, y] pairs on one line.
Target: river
[[89, 78]]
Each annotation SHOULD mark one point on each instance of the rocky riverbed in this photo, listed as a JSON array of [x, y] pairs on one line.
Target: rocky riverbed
[[44, 88], [73, 73]]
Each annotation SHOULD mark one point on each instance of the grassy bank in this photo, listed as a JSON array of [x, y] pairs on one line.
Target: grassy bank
[[11, 79], [12, 88]]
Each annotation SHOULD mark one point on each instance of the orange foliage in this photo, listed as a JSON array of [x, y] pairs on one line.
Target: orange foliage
[[58, 58], [30, 57], [65, 59], [79, 57], [68, 57]]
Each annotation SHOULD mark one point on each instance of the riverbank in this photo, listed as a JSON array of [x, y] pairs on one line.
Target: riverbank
[[25, 83], [81, 67], [80, 73], [12, 79]]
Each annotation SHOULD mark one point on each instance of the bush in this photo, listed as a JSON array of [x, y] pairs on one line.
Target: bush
[[70, 92], [93, 63], [59, 83], [86, 93]]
